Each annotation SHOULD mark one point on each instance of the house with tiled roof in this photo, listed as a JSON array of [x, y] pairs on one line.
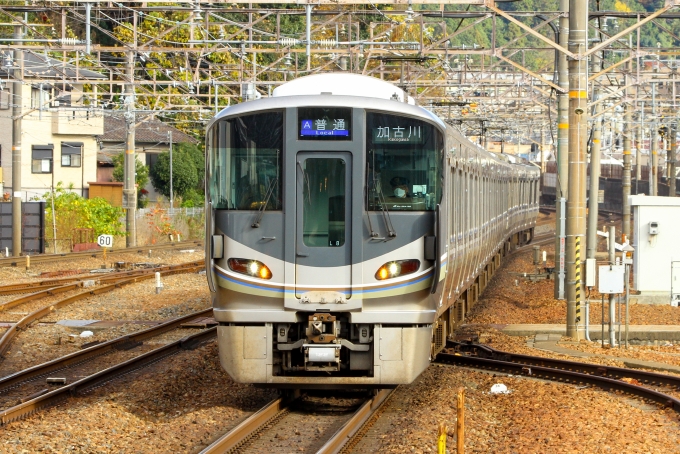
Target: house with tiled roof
[[152, 137], [59, 123]]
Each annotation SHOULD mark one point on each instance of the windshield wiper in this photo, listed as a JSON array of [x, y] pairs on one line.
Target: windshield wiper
[[391, 232], [263, 207]]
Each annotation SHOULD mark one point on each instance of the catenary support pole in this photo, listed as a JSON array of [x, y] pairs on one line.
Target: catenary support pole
[[308, 29], [172, 201], [595, 147], [88, 12], [578, 136], [672, 150], [627, 132], [129, 190], [16, 147], [654, 145], [641, 140], [612, 307], [562, 148]]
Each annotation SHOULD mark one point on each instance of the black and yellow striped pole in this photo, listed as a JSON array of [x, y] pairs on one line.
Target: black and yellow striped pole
[[577, 278]]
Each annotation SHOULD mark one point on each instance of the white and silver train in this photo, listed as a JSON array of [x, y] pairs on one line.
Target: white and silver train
[[349, 231]]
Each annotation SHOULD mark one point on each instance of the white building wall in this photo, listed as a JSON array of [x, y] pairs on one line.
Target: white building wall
[[6, 141], [654, 252], [76, 124]]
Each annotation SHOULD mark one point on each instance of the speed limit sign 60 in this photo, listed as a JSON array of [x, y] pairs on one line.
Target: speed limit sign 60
[[105, 240]]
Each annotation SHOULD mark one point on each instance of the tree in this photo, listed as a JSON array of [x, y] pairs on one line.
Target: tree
[[185, 177], [71, 211], [141, 171]]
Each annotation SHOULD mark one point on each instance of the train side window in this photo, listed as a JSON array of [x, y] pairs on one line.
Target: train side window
[[244, 162]]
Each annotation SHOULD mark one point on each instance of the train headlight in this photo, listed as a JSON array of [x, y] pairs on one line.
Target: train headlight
[[397, 268], [253, 268]]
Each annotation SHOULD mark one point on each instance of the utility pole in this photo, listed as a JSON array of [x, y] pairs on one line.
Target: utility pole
[[17, 102], [595, 148], [627, 132], [627, 158], [562, 157], [170, 150], [129, 190], [578, 136], [671, 159], [611, 298], [638, 153], [540, 150], [654, 140]]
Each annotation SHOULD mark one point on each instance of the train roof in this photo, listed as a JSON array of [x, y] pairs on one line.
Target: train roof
[[346, 84], [335, 89]]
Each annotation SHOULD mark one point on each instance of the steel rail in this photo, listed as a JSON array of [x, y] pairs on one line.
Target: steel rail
[[37, 295], [40, 258], [351, 428], [76, 358], [98, 379], [251, 425], [55, 285], [9, 335], [585, 368], [547, 373]]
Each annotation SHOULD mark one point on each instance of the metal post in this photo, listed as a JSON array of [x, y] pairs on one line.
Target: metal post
[[612, 311], [654, 141], [172, 204], [309, 35], [641, 138], [17, 103], [578, 135], [627, 277], [216, 97], [562, 146], [540, 149], [595, 146], [627, 131], [129, 190], [88, 10], [54, 221], [672, 180]]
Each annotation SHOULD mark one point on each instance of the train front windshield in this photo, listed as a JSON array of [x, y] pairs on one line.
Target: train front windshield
[[404, 163], [244, 162]]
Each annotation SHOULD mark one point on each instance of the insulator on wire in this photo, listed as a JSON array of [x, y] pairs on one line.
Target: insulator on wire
[[289, 41], [326, 42], [69, 41]]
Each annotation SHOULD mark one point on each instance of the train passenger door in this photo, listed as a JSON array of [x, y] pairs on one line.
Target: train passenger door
[[323, 237]]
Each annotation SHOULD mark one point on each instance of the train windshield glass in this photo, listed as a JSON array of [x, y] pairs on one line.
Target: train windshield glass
[[244, 162], [404, 163]]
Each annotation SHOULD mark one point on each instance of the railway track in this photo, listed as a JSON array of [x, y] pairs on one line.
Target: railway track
[[615, 379], [337, 421], [36, 286], [111, 284], [25, 385], [43, 258], [33, 404]]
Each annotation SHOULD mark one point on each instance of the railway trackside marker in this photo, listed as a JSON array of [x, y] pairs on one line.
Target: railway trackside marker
[[105, 240]]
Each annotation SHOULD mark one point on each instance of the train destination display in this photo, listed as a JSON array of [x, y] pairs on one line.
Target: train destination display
[[325, 123]]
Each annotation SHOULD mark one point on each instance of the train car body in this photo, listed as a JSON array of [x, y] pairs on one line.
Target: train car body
[[348, 231]]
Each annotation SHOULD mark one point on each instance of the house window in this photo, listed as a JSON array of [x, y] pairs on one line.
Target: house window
[[71, 154], [42, 158], [36, 98], [4, 99]]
